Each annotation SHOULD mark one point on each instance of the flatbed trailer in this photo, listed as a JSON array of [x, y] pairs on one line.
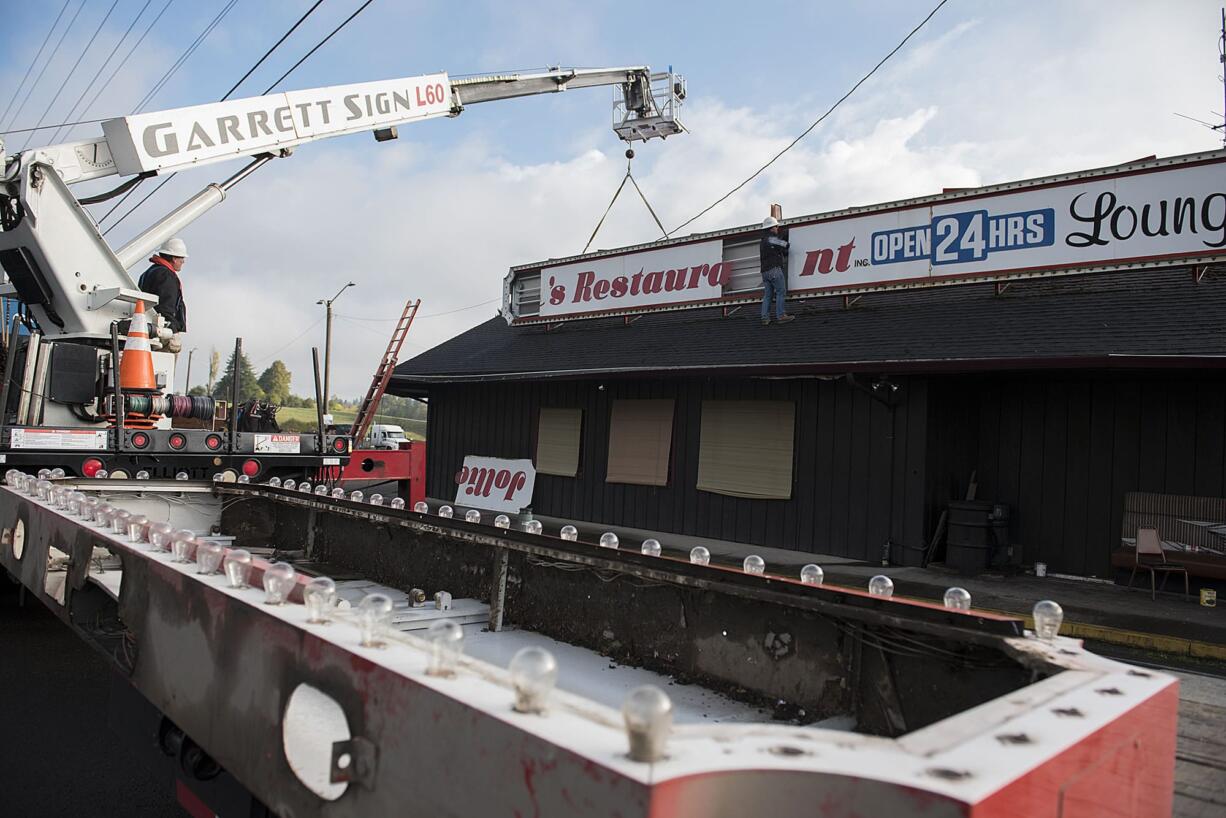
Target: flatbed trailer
[[787, 698]]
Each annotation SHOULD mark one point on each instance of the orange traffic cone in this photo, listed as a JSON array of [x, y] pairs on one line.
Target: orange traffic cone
[[136, 362]]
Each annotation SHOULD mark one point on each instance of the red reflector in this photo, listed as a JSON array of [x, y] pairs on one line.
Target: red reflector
[[213, 442], [251, 467], [339, 445], [177, 441], [91, 467], [140, 440]]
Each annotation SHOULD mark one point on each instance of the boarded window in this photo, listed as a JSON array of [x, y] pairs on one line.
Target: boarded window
[[557, 441], [746, 448], [640, 441]]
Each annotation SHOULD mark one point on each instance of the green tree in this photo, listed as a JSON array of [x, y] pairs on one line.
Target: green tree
[[275, 382], [248, 385], [198, 391]]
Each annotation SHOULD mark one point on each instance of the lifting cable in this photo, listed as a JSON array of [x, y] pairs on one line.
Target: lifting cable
[[629, 176]]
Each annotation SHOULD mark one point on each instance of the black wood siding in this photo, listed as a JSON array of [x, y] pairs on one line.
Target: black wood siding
[[1062, 450], [858, 479]]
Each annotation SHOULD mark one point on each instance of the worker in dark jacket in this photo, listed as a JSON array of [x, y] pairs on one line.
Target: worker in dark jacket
[[162, 280], [773, 253]]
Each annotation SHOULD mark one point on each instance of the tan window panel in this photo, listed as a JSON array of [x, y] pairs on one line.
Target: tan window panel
[[557, 441], [746, 448], [640, 441]]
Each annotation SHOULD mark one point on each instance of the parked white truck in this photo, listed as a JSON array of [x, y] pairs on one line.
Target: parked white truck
[[385, 436]]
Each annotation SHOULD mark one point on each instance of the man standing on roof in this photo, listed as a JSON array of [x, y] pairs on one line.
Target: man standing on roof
[[162, 280], [773, 253]]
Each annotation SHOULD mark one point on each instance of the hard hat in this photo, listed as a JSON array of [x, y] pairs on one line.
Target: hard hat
[[173, 247], [769, 222]]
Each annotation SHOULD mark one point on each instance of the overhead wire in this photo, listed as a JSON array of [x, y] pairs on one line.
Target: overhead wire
[[73, 70], [34, 61], [815, 123], [267, 90], [418, 318], [191, 49], [97, 74], [50, 59]]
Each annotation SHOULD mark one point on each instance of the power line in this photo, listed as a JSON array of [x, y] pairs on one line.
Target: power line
[[293, 341], [50, 59], [114, 50], [294, 67], [817, 122], [191, 49], [418, 318], [34, 61], [118, 68], [275, 45], [74, 68]]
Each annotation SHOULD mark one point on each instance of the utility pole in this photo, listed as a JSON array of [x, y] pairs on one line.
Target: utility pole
[[1222, 61], [187, 382], [328, 345]]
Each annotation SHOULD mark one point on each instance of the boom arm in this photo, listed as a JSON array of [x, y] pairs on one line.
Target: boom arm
[[62, 268]]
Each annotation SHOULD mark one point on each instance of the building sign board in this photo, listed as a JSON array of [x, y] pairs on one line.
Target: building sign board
[[1174, 212], [202, 133], [681, 274], [495, 483]]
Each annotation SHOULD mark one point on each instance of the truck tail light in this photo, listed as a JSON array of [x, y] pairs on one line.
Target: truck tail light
[[251, 467], [213, 442], [140, 440], [177, 441], [91, 467], [340, 445]]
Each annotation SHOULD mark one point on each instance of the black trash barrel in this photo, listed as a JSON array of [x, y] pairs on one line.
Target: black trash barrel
[[971, 536]]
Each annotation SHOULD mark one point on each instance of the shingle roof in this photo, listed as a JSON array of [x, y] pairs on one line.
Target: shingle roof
[[1085, 320]]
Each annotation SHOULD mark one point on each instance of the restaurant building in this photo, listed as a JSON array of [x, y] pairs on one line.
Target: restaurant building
[[1054, 347]]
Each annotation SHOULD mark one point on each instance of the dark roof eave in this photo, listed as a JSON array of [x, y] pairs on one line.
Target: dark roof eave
[[916, 366]]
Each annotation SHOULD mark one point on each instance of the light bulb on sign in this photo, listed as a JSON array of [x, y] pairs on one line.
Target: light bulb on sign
[[397, 503], [142, 475], [376, 499], [244, 478], [374, 617], [472, 516], [102, 515], [338, 493], [43, 488], [304, 487], [754, 564], [881, 585], [533, 527], [534, 673], [812, 574], [138, 525], [356, 496], [502, 521], [446, 512], [43, 474], [160, 536], [208, 557], [569, 533], [119, 522], [179, 476], [319, 595], [1048, 616], [103, 474], [321, 490], [648, 714], [699, 555], [958, 599], [608, 540], [421, 507], [446, 639], [651, 547], [274, 482], [278, 582], [57, 473], [183, 549], [237, 565], [290, 484]]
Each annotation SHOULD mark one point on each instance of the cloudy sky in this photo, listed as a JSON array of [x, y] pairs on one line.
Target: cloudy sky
[[988, 92]]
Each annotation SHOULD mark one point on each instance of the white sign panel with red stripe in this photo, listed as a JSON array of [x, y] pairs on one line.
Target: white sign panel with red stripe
[[495, 483], [277, 444], [683, 274]]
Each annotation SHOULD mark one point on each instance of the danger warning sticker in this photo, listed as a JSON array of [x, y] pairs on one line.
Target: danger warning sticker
[[278, 444], [64, 439]]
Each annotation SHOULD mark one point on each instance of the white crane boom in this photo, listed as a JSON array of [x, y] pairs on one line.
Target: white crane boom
[[58, 263]]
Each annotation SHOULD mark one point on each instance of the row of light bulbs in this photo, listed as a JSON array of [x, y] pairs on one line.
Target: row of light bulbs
[[647, 710]]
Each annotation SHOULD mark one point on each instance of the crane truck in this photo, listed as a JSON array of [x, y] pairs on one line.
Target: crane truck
[[61, 404]]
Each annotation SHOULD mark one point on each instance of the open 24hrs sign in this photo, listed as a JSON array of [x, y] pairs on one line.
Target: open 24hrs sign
[[958, 238]]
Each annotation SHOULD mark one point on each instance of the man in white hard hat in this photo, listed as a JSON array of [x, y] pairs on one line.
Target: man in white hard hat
[[162, 280], [773, 254]]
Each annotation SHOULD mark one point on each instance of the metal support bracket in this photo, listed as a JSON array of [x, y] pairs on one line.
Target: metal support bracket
[[1198, 272], [729, 310], [498, 589], [355, 760], [850, 301], [1001, 286], [553, 326], [627, 320], [99, 297]]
